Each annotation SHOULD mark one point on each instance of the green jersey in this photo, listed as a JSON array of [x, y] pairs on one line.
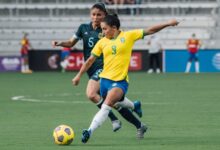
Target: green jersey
[[90, 37]]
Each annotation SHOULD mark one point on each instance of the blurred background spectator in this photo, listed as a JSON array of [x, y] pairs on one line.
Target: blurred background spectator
[[155, 48], [193, 44], [109, 2], [25, 47], [65, 52]]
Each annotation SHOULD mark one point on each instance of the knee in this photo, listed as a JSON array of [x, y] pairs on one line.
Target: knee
[[92, 96], [111, 104]]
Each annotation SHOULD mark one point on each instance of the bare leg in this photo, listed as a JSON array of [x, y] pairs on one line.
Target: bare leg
[[92, 93]]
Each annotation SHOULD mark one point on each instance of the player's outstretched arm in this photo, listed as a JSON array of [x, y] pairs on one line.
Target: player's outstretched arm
[[155, 28], [83, 69], [69, 43]]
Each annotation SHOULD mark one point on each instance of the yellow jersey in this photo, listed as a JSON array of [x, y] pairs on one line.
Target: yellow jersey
[[117, 54]]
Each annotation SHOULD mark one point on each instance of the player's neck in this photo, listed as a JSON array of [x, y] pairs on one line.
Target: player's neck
[[94, 26], [116, 34]]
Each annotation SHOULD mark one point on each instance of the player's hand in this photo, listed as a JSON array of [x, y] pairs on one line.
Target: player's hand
[[54, 43], [76, 80], [173, 22]]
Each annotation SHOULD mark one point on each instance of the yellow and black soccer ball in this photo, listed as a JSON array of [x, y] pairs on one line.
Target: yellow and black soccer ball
[[63, 135]]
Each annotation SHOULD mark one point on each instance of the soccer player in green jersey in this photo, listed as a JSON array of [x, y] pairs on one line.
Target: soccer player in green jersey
[[116, 48], [91, 34]]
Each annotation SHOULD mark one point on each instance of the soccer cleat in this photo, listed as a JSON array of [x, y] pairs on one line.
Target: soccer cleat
[[85, 135], [141, 131], [116, 125], [137, 108]]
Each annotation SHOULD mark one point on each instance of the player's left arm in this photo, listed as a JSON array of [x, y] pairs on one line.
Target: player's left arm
[[83, 69], [155, 28]]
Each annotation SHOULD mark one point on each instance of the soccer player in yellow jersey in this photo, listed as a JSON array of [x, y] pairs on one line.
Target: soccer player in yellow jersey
[[90, 34], [116, 48]]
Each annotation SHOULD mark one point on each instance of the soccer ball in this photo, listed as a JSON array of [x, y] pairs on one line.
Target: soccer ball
[[63, 135]]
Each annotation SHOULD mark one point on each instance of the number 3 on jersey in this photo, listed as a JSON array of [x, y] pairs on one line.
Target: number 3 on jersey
[[91, 42]]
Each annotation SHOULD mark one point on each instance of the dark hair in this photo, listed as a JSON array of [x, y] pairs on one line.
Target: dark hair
[[112, 20], [100, 6]]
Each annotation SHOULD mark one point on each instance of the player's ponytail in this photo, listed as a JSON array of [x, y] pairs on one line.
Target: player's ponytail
[[112, 20], [100, 6]]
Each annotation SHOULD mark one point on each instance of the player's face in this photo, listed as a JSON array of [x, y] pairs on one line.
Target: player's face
[[96, 16], [108, 31]]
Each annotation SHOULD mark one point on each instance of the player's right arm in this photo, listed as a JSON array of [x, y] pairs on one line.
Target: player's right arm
[[69, 43]]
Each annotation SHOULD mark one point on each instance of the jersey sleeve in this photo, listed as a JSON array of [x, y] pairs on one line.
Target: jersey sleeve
[[136, 34], [97, 50], [78, 34]]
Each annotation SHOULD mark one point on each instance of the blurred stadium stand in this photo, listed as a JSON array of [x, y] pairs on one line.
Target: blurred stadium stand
[[47, 20]]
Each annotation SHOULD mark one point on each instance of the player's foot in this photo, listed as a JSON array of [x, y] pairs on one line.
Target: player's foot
[[150, 71], [137, 108], [85, 135], [158, 71], [27, 71], [30, 71], [141, 131], [116, 125]]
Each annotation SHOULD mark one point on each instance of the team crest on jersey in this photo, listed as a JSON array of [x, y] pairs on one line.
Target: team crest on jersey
[[100, 35], [122, 40]]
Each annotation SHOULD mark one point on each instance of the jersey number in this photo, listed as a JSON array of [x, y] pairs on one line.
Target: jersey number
[[91, 42], [113, 50]]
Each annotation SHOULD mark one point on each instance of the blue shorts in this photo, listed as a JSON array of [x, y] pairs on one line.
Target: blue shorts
[[193, 56], [106, 85]]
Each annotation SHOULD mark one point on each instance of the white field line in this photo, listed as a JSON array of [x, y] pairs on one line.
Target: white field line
[[24, 99]]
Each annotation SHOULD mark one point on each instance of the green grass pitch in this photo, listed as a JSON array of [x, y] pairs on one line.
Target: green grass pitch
[[182, 112]]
